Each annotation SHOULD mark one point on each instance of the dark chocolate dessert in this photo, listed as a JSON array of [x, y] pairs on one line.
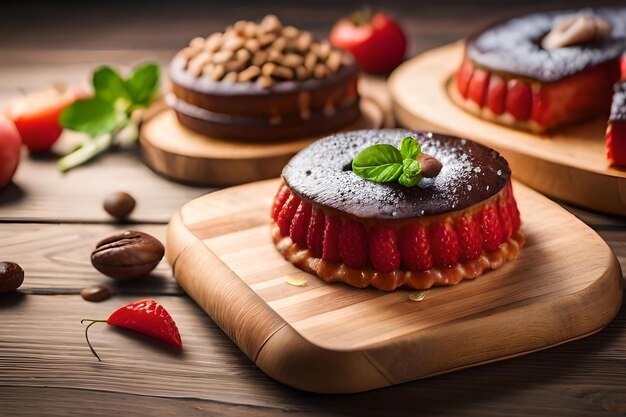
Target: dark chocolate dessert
[[463, 221], [263, 82], [543, 70]]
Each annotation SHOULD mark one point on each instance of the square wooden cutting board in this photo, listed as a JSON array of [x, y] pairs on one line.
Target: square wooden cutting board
[[332, 338]]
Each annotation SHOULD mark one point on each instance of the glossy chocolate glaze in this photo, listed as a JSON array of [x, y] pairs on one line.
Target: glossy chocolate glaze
[[618, 106], [322, 173], [254, 129], [514, 46]]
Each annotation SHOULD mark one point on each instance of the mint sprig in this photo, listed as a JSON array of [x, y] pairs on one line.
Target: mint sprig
[[109, 111], [386, 163]]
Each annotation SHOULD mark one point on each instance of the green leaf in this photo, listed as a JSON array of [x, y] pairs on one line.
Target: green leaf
[[411, 173], [409, 148], [109, 86], [379, 163], [143, 84], [93, 116]]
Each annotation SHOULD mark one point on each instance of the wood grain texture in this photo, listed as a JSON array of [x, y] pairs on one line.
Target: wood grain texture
[[56, 258], [234, 272], [181, 154], [47, 369], [569, 164]]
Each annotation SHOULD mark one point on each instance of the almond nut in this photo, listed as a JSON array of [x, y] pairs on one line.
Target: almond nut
[[290, 32], [213, 43], [302, 73], [275, 56], [250, 30], [293, 60], [309, 61], [334, 61], [197, 43], [259, 58], [282, 72], [249, 74], [218, 72], [222, 57], [271, 24], [252, 45], [268, 69], [232, 44], [266, 39], [231, 77], [265, 81], [304, 42], [243, 55], [320, 71], [279, 44], [323, 50]]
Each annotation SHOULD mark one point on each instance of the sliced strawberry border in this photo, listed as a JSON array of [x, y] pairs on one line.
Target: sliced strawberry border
[[438, 250], [530, 104]]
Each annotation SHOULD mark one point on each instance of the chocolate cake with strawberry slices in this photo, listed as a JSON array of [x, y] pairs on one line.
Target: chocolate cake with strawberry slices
[[458, 223], [263, 82], [616, 129], [543, 70]]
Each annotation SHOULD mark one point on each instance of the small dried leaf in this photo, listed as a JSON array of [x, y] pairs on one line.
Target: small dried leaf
[[296, 281], [418, 295]]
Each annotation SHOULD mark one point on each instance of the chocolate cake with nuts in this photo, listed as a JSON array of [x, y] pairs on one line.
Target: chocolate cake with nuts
[[263, 82]]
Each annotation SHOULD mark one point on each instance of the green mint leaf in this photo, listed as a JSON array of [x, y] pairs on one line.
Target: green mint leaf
[[379, 163], [411, 173], [93, 116], [409, 148], [109, 86], [143, 84], [408, 181], [411, 167]]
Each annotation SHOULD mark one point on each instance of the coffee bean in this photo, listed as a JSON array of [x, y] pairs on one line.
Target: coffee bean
[[127, 255], [96, 293], [11, 276], [430, 165], [119, 205]]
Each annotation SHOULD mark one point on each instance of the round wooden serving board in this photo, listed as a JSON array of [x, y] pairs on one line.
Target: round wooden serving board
[[332, 338], [569, 164], [179, 153]]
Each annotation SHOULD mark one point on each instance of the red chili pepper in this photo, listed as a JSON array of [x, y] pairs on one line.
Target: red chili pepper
[[146, 317]]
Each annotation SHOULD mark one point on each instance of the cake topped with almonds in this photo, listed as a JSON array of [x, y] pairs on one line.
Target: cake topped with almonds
[[263, 81]]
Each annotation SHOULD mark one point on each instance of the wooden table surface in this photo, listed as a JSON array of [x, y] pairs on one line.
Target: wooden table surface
[[49, 223]]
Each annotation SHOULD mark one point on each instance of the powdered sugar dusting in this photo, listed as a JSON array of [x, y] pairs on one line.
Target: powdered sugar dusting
[[322, 173], [515, 45]]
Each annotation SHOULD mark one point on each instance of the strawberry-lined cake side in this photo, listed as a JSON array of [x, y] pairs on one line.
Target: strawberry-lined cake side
[[348, 229]]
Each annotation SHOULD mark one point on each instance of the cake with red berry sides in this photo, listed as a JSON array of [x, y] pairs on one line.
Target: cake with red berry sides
[[544, 70], [369, 207], [616, 129], [263, 82]]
